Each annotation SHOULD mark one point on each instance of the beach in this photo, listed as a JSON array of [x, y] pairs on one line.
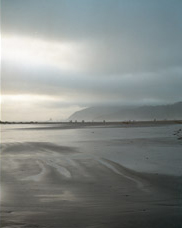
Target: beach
[[91, 175]]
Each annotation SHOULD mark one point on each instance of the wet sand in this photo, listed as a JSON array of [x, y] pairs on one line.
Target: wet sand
[[47, 185]]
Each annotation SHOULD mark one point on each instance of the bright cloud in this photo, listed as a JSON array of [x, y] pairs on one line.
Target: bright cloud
[[28, 51]]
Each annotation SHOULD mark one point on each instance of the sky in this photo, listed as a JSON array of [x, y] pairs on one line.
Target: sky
[[61, 56]]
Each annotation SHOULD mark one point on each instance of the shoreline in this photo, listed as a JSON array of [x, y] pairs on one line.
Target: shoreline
[[96, 122], [86, 125]]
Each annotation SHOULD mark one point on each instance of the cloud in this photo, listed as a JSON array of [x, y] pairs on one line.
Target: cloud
[[161, 86], [92, 52], [123, 36]]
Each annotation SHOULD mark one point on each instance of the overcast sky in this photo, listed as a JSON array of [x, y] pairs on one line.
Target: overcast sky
[[60, 56]]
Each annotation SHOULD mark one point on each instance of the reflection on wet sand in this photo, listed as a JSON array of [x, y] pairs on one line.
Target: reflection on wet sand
[[50, 185]]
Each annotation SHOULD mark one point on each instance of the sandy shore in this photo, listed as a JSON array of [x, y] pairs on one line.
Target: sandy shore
[[46, 185]]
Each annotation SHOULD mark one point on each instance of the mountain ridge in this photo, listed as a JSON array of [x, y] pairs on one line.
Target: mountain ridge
[[124, 113]]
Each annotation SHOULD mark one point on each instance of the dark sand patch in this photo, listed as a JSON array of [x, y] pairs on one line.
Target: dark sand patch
[[24, 147]]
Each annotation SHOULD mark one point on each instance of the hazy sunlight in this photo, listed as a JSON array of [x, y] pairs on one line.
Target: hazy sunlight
[[36, 52]]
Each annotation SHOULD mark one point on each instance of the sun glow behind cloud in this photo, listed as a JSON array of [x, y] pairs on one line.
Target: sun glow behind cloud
[[27, 98], [30, 51]]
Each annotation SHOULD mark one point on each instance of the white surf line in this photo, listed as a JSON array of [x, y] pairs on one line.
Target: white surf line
[[138, 183], [63, 171], [37, 177]]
